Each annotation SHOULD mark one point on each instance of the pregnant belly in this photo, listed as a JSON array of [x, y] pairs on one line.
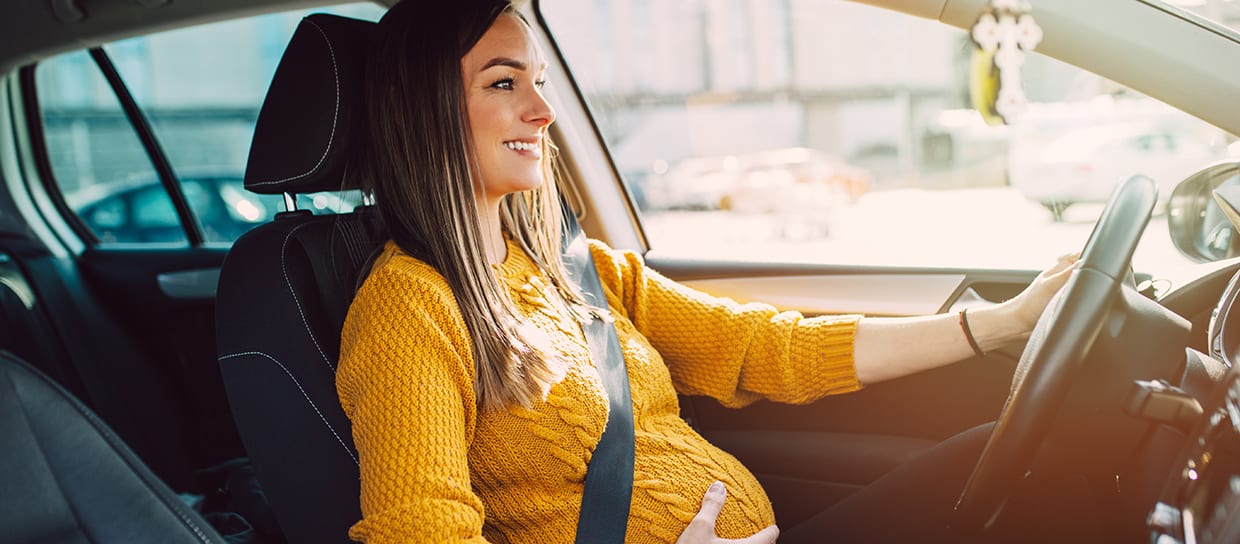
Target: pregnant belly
[[673, 468]]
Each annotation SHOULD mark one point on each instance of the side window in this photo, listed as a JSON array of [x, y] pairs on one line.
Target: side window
[[200, 90], [96, 157], [842, 133]]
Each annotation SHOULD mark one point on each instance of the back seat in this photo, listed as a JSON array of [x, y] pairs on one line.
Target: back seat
[[51, 324], [54, 321], [68, 478]]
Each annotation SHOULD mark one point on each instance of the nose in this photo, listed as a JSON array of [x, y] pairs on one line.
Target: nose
[[539, 112]]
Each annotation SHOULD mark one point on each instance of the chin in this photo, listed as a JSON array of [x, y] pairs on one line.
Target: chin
[[530, 186], [526, 184], [517, 186]]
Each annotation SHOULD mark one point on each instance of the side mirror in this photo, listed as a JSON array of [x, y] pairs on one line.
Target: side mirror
[[1200, 213]]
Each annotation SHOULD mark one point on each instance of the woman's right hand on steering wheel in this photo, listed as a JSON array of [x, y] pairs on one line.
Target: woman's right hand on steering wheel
[[702, 528]]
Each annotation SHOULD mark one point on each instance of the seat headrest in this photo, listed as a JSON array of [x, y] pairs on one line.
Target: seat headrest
[[312, 109]]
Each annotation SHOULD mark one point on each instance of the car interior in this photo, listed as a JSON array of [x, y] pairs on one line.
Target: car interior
[[176, 392]]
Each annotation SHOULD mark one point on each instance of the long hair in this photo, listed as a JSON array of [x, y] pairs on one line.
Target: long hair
[[416, 155]]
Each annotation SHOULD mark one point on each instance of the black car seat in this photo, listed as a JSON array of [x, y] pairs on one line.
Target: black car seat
[[69, 479], [285, 287]]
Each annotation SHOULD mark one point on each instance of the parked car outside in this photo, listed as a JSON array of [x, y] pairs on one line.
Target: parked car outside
[[774, 181], [1086, 164], [138, 211]]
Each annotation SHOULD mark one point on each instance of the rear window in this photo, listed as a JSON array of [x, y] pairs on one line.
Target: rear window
[[200, 90]]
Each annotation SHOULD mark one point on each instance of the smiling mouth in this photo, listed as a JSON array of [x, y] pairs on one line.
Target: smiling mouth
[[521, 146]]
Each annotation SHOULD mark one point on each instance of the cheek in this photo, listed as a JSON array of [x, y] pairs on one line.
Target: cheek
[[486, 119]]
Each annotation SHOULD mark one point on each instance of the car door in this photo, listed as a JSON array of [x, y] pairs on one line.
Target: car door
[[656, 90]]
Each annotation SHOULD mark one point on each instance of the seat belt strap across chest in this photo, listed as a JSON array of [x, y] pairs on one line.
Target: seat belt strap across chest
[[609, 476]]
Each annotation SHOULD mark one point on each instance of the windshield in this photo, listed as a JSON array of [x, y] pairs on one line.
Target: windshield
[[789, 130]]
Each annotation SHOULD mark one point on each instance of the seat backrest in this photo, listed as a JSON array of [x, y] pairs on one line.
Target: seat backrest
[[285, 287], [68, 478], [24, 328]]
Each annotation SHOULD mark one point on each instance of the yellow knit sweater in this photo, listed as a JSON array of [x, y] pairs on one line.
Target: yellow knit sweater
[[434, 468]]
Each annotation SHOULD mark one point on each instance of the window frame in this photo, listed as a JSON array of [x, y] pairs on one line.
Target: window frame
[[169, 181], [42, 159], [154, 151], [585, 158]]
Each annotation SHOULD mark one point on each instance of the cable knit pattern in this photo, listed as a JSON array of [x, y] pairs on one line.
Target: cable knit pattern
[[436, 469]]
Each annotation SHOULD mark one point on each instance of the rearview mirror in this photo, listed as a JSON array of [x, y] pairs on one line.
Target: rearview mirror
[[1198, 213]]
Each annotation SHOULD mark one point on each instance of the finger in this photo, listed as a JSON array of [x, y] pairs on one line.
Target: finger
[[1067, 270], [1055, 280], [712, 502], [1065, 262], [765, 536], [1059, 268], [702, 527]]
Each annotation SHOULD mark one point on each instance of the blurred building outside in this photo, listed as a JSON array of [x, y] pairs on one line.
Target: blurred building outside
[[672, 80], [679, 80]]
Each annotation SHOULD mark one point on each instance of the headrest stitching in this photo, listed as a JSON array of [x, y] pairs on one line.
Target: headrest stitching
[[303, 394], [335, 114]]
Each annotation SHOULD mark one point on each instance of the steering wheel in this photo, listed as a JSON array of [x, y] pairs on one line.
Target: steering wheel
[[1055, 353]]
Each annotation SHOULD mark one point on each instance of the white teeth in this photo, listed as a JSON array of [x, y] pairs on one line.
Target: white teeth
[[520, 146]]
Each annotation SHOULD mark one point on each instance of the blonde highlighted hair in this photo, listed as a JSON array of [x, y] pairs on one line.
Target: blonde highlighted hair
[[415, 154]]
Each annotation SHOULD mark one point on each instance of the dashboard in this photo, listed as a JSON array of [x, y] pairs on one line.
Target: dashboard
[[1200, 503]]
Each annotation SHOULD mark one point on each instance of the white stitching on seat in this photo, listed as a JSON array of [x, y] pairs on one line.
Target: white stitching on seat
[[335, 114], [303, 393], [297, 301]]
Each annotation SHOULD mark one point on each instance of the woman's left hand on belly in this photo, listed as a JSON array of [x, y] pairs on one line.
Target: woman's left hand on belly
[[702, 528]]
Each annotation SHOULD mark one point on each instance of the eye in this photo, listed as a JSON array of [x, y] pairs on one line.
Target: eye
[[540, 83], [503, 84]]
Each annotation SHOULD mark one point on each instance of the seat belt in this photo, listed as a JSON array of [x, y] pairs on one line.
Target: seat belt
[[609, 476]]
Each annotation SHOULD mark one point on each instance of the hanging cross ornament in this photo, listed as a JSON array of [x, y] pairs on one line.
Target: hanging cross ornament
[[1002, 34]]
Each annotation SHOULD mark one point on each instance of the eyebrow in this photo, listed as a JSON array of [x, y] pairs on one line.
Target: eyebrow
[[504, 61], [509, 62]]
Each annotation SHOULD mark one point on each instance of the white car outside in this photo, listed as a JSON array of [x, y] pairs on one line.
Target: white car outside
[[1085, 165]]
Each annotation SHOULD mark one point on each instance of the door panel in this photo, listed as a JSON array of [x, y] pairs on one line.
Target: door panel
[[170, 343], [891, 291], [878, 294], [811, 456]]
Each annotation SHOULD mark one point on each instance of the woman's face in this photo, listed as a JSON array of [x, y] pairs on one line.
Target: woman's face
[[508, 115]]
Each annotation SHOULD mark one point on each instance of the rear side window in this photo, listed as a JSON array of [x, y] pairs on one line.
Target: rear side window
[[199, 91], [98, 162]]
